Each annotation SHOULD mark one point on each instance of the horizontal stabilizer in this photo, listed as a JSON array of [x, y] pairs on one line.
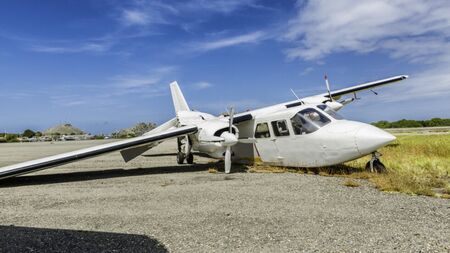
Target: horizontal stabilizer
[[131, 153]]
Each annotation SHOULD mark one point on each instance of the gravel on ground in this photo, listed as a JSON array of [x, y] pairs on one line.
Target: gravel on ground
[[151, 204]]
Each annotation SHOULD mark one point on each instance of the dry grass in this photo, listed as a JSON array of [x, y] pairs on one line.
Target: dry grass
[[212, 170], [417, 164], [267, 169], [351, 183]]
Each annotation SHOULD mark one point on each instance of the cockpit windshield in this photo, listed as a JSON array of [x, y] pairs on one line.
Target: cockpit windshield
[[330, 112], [308, 120]]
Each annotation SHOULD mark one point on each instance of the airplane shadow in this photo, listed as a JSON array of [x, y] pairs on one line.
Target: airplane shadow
[[341, 169], [99, 174], [27, 239], [174, 155]]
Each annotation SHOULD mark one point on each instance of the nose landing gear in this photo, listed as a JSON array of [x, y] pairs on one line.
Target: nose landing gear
[[184, 150], [374, 165]]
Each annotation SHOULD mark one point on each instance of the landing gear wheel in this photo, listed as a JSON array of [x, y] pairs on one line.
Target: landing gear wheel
[[180, 158], [190, 158], [374, 165], [378, 167]]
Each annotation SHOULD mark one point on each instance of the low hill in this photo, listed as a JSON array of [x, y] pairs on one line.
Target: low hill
[[63, 129], [136, 130]]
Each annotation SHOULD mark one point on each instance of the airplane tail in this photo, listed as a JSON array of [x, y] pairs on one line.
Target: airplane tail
[[179, 102]]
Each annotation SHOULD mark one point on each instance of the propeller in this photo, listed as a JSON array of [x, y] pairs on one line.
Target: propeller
[[230, 139], [328, 88], [231, 113], [331, 102]]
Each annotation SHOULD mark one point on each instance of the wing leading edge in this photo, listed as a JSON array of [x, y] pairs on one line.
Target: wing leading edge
[[365, 86], [56, 160]]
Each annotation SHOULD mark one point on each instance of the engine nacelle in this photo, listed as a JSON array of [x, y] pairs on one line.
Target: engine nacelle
[[334, 105], [211, 137]]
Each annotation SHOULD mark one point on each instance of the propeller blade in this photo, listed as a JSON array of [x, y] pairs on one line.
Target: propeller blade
[[328, 88], [228, 160], [231, 112], [230, 139]]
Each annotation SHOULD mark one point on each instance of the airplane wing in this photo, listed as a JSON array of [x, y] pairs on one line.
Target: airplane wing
[[320, 98], [365, 86], [56, 160]]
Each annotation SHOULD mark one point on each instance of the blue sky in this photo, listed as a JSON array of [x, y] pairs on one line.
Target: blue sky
[[105, 65]]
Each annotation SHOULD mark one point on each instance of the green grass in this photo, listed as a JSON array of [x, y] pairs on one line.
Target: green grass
[[416, 164]]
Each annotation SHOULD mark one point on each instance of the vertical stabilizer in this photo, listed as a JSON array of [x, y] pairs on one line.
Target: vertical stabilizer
[[178, 99]]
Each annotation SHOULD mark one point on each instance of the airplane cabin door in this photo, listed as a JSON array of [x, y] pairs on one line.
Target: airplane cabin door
[[265, 144]]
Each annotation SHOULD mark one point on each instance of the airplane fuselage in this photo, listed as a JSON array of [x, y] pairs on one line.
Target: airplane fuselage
[[291, 138]]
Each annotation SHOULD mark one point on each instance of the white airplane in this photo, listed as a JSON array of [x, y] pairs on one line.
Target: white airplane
[[305, 132]]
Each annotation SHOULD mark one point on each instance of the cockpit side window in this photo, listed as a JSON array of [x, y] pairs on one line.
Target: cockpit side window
[[308, 120], [262, 130], [280, 128], [330, 112], [301, 125], [315, 117]]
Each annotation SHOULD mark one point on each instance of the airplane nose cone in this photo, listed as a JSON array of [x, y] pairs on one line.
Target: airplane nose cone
[[369, 139]]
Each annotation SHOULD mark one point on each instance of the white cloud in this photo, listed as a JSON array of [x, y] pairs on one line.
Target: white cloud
[[202, 85], [135, 17], [161, 12], [86, 47], [147, 15], [154, 76], [306, 71], [324, 27], [430, 83], [415, 31], [223, 6], [253, 37]]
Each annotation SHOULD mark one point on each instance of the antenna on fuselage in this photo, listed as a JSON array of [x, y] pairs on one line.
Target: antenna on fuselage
[[293, 92]]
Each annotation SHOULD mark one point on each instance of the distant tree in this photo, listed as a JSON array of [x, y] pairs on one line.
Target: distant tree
[[11, 138], [434, 122], [405, 123], [382, 124], [28, 133], [38, 134]]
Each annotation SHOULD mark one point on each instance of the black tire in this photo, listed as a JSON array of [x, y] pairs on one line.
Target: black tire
[[378, 167], [180, 158], [190, 158]]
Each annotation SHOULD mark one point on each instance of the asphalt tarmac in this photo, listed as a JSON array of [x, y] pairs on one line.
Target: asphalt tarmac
[[153, 205]]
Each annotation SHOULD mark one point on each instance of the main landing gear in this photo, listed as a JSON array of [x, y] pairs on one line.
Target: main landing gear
[[374, 165], [184, 150]]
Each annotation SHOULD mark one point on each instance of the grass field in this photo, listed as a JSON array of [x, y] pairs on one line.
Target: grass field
[[417, 164]]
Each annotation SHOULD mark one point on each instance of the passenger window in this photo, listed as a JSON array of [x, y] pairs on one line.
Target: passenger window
[[262, 131], [280, 128]]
